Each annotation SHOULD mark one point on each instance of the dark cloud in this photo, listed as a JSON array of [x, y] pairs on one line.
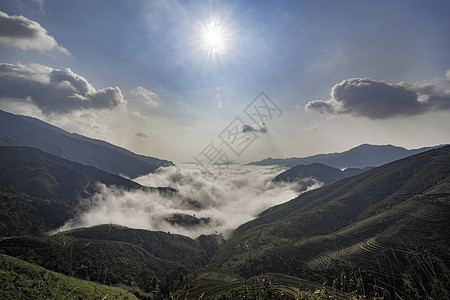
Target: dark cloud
[[258, 128], [21, 32], [53, 90], [141, 134], [379, 100]]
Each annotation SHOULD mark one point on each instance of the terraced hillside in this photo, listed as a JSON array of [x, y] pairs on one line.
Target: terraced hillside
[[381, 221]]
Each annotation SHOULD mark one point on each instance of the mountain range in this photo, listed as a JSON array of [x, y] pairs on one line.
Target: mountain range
[[383, 233], [317, 171], [16, 130], [362, 156]]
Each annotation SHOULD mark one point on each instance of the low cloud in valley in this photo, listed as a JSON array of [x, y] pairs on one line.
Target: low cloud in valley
[[222, 199]]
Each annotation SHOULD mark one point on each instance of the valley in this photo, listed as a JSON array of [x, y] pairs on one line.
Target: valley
[[377, 232]]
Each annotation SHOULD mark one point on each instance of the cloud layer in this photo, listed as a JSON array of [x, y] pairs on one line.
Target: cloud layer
[[54, 90], [21, 32], [379, 100], [228, 196]]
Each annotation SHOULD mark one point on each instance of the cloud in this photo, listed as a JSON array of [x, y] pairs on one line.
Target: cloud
[[141, 134], [53, 90], [21, 32], [258, 128], [227, 197], [149, 97], [379, 100]]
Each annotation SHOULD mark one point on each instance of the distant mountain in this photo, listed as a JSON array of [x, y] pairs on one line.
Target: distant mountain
[[317, 171], [362, 156], [392, 223], [41, 191], [16, 130]]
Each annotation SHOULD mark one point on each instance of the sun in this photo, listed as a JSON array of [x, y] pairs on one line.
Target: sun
[[214, 38]]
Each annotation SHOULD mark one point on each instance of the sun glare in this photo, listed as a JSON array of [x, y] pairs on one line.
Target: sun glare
[[214, 38]]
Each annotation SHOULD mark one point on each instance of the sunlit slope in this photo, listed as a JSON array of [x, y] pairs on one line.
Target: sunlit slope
[[22, 280], [364, 221]]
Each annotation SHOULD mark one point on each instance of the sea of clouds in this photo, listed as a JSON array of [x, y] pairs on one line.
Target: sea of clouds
[[225, 196]]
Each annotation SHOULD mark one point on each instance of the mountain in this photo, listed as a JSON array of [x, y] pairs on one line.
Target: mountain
[[359, 157], [16, 130], [387, 228], [384, 234], [317, 171], [40, 191]]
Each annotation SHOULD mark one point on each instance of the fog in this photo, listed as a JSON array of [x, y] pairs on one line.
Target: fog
[[214, 201]]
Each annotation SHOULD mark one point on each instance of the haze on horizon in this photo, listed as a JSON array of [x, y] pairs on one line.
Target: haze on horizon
[[168, 78]]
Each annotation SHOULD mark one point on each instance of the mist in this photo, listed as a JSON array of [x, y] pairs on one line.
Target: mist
[[214, 201]]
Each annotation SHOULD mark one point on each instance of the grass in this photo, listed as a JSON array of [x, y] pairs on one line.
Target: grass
[[22, 280]]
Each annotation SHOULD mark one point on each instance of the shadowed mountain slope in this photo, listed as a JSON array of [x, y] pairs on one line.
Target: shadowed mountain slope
[[40, 191], [16, 130], [392, 221]]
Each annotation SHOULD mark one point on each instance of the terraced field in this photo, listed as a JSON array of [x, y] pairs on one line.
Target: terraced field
[[347, 254]]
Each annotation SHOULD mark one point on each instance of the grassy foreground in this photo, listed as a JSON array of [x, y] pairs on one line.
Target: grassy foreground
[[22, 280]]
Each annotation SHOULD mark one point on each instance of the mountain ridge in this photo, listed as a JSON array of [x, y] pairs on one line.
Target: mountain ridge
[[364, 155], [16, 130]]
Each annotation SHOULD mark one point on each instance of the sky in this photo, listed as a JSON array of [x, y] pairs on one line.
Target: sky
[[213, 81]]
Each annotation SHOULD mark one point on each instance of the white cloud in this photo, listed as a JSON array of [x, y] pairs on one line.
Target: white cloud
[[21, 32], [229, 196], [379, 100], [53, 90], [149, 97]]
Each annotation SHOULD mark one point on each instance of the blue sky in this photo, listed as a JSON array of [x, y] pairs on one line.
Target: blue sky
[[149, 85]]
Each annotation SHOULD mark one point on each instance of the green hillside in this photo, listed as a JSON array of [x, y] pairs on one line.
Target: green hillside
[[384, 234], [22, 280], [388, 227], [104, 261]]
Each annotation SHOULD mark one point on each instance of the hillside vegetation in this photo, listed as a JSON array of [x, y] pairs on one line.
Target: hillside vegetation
[[388, 227], [22, 280], [382, 234]]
